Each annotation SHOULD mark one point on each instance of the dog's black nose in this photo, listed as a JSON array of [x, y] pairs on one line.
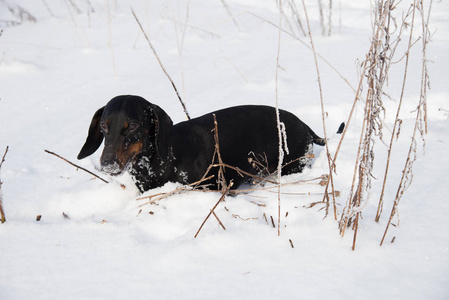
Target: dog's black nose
[[110, 163]]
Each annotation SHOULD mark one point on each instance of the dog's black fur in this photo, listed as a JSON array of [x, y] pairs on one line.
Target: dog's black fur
[[141, 138]]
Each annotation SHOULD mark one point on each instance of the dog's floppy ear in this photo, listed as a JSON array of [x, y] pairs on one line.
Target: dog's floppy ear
[[95, 136], [162, 126]]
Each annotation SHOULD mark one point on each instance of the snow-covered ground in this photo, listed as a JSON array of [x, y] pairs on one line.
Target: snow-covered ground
[[92, 242]]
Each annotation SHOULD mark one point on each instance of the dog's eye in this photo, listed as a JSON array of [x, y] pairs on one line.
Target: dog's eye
[[132, 127], [104, 127]]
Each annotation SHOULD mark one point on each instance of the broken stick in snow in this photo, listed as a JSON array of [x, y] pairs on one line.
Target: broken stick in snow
[[161, 65], [2, 213], [81, 168]]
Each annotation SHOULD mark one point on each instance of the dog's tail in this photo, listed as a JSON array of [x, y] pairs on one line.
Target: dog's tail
[[316, 139], [320, 141]]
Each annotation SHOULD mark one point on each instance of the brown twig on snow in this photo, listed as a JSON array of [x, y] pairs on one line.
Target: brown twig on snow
[[291, 243], [160, 64], [76, 166], [329, 159], [2, 213], [281, 134], [225, 192], [221, 180]]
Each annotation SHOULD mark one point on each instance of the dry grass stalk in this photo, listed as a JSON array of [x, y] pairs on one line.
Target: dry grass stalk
[[19, 12], [278, 121], [219, 221], [397, 121], [420, 119], [376, 70], [323, 18], [329, 160], [228, 10], [296, 16], [243, 219], [213, 208], [323, 28], [160, 64], [377, 74], [221, 180], [2, 212], [76, 166]]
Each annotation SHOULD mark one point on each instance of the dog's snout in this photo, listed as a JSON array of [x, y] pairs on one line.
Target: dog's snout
[[110, 164]]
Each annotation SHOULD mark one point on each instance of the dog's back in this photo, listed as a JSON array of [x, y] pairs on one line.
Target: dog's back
[[248, 139]]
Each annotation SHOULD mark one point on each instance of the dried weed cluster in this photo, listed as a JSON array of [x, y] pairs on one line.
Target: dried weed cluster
[[389, 29]]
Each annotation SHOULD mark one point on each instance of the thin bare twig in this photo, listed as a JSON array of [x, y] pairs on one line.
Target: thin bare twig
[[329, 160], [2, 212], [160, 64], [228, 10], [278, 121], [225, 192], [76, 166]]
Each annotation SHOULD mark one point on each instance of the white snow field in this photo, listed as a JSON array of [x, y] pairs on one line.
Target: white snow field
[[91, 241]]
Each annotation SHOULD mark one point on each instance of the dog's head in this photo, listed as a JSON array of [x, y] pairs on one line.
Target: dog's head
[[130, 126]]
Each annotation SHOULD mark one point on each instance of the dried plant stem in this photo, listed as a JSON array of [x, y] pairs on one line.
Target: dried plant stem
[[347, 214], [323, 28], [356, 226], [378, 62], [343, 135], [329, 160], [160, 64], [78, 167], [424, 74], [213, 208], [407, 174], [396, 121], [2, 212], [221, 178], [278, 121], [296, 16], [218, 220], [228, 10]]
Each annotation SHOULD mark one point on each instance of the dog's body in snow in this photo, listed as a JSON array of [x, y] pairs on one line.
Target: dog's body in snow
[[141, 138]]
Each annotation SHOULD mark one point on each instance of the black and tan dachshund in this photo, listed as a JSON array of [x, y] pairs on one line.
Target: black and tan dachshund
[[141, 138]]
